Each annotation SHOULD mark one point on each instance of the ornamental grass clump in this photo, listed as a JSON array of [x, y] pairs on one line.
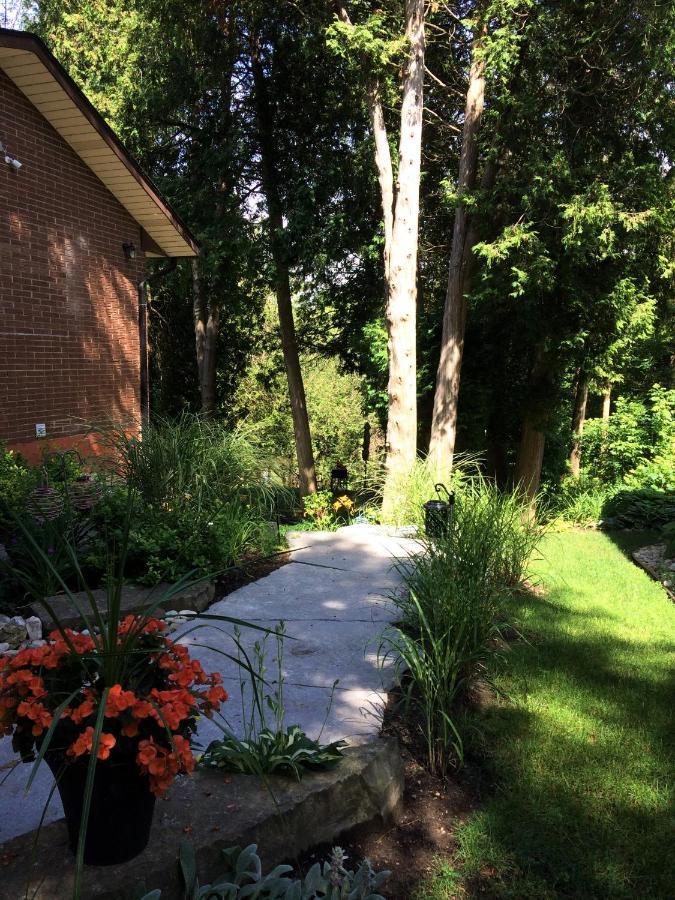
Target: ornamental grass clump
[[454, 611]]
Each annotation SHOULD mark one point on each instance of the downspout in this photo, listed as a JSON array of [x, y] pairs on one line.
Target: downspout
[[142, 287]]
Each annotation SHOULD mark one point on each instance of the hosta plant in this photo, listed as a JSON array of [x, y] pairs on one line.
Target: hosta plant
[[268, 745], [272, 751]]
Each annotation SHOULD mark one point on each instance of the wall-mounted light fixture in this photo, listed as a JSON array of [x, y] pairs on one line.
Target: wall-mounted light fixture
[[14, 163], [129, 250]]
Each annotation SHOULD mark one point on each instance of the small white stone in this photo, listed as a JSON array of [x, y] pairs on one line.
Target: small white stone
[[19, 621], [188, 612], [38, 642], [34, 628], [4, 647]]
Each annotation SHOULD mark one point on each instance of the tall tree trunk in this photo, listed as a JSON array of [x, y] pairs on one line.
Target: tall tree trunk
[[578, 419], [385, 173], [606, 400], [208, 383], [444, 419], [206, 337], [383, 164], [400, 213], [530, 458], [275, 221], [402, 300]]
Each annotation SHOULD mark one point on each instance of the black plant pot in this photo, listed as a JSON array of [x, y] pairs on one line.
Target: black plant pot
[[120, 815]]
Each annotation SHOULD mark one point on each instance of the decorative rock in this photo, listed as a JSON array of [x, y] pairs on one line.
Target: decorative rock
[[18, 620], [196, 597], [12, 634], [4, 620], [35, 644], [34, 628], [4, 647]]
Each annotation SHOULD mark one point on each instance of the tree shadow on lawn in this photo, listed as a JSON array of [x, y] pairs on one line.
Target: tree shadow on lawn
[[580, 760], [628, 539]]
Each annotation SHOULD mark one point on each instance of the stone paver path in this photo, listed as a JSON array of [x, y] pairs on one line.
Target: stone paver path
[[334, 598]]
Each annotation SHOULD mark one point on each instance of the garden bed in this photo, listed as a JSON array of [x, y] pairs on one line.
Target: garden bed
[[653, 560]]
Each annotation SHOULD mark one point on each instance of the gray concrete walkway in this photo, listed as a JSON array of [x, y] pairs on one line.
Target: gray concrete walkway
[[334, 599]]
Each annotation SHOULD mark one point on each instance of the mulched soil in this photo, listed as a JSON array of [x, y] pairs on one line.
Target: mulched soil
[[250, 569], [423, 834]]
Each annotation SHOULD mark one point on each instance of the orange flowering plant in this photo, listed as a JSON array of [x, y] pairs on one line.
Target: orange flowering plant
[[151, 716]]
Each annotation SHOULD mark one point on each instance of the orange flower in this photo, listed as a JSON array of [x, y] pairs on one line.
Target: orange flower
[[142, 709], [118, 700], [85, 742], [37, 713], [79, 713], [162, 765]]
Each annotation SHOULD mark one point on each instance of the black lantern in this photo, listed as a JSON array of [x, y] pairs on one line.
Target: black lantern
[[129, 250], [339, 478], [438, 513]]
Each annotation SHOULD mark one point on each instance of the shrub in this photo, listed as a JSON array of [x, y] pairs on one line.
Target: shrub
[[166, 542], [17, 479], [455, 607], [335, 405], [657, 473], [641, 508], [317, 510], [579, 501], [193, 461], [636, 433]]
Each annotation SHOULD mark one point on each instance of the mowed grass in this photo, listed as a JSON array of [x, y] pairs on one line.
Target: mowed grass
[[581, 752]]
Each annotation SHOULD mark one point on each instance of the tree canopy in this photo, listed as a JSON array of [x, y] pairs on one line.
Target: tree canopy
[[547, 145]]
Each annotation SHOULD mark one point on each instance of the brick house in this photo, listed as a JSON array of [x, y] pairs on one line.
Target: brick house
[[77, 218]]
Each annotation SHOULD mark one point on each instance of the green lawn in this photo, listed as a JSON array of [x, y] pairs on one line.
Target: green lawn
[[581, 753]]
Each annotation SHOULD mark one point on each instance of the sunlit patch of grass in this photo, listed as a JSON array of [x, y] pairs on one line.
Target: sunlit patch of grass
[[581, 750]]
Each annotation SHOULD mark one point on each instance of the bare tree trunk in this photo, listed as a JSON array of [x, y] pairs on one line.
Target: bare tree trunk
[[606, 400], [206, 337], [578, 419], [444, 419], [402, 301], [530, 458], [383, 164], [400, 213], [208, 384], [289, 343], [385, 173]]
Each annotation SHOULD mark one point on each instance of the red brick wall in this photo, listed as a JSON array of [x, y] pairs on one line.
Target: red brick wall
[[69, 348]]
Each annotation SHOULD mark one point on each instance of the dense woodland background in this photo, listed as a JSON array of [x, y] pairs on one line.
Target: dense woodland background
[[258, 120]]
